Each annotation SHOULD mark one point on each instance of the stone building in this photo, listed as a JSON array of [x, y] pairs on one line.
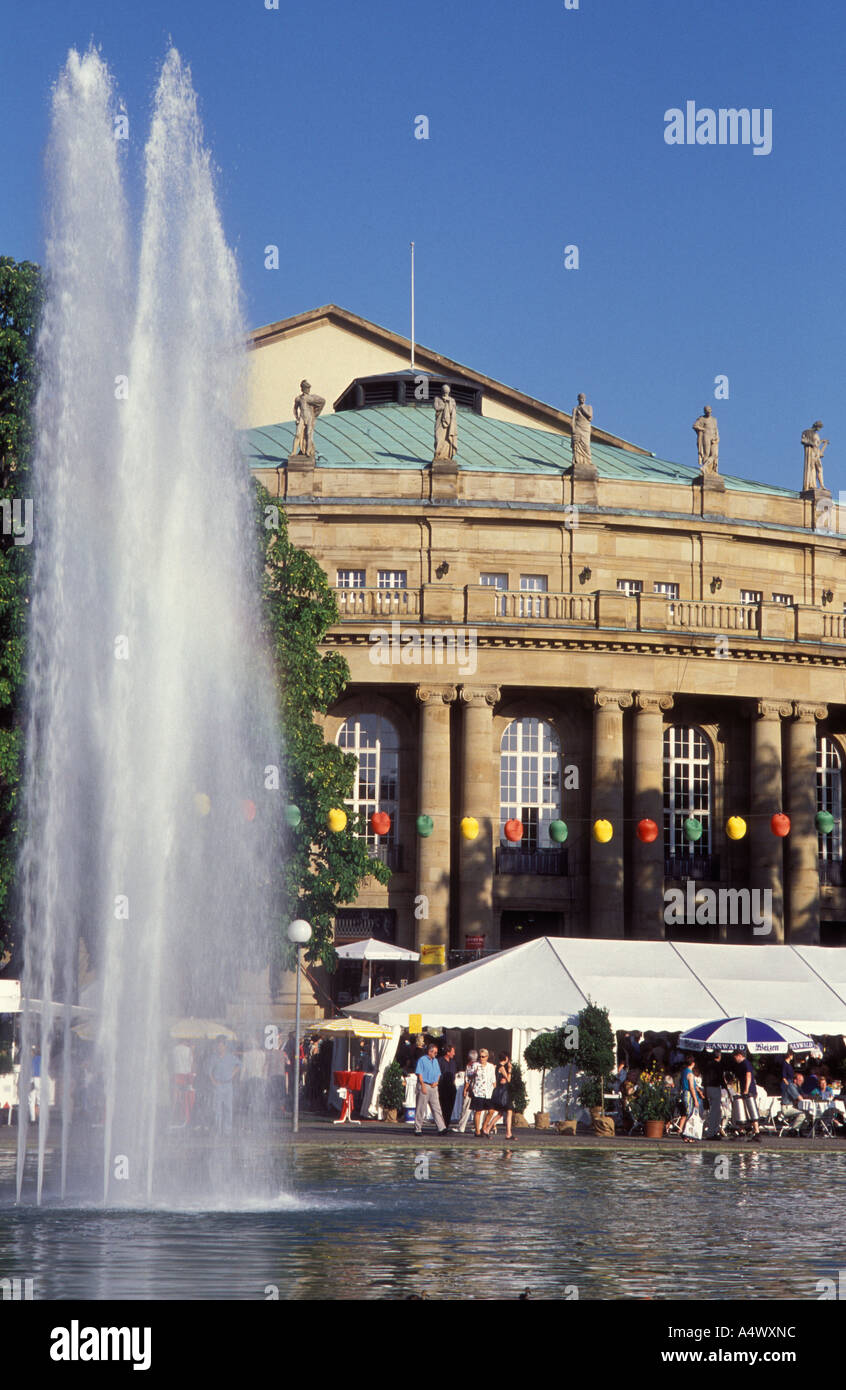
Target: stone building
[[639, 641]]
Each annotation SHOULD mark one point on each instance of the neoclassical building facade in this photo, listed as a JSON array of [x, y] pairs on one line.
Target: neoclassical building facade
[[536, 643]]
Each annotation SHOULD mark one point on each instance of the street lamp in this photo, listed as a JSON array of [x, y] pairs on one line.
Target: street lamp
[[299, 935]]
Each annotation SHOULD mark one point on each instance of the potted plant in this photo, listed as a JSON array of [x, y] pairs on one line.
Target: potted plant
[[519, 1099], [543, 1054], [392, 1092], [652, 1102], [595, 1055]]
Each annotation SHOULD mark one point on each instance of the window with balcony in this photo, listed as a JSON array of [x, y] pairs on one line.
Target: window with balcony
[[392, 579], [662, 586], [786, 599], [530, 791], [496, 581], [375, 743], [630, 586], [687, 794], [751, 596], [533, 584], [351, 579], [830, 798]]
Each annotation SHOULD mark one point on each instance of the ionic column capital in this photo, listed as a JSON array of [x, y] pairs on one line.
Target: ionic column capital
[[603, 699], [772, 709], [435, 694], [647, 703], [807, 713], [480, 696]]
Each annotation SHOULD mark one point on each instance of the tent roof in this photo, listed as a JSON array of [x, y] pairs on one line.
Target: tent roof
[[659, 985]]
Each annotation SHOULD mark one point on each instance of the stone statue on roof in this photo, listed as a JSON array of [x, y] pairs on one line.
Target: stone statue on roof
[[707, 441], [580, 438], [306, 410], [446, 426], [814, 449]]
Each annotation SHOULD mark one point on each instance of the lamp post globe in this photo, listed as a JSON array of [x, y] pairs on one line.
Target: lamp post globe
[[299, 934]]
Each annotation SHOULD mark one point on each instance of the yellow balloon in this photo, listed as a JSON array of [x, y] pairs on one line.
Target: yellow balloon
[[469, 827], [202, 803], [735, 827], [336, 819], [602, 831]]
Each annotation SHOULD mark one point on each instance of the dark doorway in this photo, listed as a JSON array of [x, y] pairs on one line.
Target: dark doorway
[[517, 927]]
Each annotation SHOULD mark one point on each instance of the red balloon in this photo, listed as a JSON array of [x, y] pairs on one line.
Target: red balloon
[[514, 830], [647, 831], [380, 822], [249, 809], [780, 824]]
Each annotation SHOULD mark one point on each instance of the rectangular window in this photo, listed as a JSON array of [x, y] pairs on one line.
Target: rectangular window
[[751, 596], [533, 607], [496, 581], [664, 587], [630, 586], [786, 599], [392, 579], [351, 579]]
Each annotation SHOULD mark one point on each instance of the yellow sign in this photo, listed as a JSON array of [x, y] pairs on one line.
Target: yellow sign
[[433, 955], [415, 1023]]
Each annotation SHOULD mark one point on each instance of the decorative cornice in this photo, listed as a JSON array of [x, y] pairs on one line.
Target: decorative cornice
[[806, 714], [480, 696], [431, 694], [647, 703]]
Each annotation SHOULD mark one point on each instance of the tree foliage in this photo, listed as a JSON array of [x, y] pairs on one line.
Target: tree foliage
[[321, 869], [595, 1053], [20, 304]]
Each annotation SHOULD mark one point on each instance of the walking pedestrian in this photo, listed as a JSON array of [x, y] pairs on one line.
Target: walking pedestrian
[[446, 1085], [748, 1091], [467, 1092], [501, 1097], [484, 1080], [712, 1077], [428, 1077], [223, 1073]]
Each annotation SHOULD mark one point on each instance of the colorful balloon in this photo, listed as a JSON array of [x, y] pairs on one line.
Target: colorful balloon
[[425, 826], [469, 827], [202, 803], [735, 827], [780, 824], [825, 822], [693, 829], [647, 831], [336, 819], [558, 831], [249, 809], [602, 831], [293, 816], [514, 830], [380, 822]]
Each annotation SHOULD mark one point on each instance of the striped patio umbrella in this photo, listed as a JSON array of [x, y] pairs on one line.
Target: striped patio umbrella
[[745, 1035]]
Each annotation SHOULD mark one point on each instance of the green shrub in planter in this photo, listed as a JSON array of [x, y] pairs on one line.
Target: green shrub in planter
[[590, 1092], [392, 1090], [519, 1099]]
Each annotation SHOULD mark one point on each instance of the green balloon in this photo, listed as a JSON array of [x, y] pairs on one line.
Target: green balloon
[[825, 822], [693, 829], [292, 816], [425, 826], [558, 831]]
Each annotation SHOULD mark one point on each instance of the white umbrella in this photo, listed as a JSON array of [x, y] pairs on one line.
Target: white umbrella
[[371, 950]]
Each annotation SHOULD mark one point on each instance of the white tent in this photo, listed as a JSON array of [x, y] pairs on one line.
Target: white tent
[[658, 985]]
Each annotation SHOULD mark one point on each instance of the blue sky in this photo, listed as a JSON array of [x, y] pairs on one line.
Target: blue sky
[[546, 129]]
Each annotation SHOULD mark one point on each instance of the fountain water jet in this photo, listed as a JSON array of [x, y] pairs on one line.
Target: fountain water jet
[[149, 691]]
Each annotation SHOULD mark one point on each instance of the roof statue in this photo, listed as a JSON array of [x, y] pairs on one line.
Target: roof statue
[[814, 449], [580, 438], [446, 426], [707, 441], [306, 410]]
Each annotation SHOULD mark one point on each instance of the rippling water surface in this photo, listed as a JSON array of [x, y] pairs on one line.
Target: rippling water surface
[[363, 1223]]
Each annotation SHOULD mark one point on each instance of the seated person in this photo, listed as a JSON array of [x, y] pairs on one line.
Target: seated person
[[826, 1093], [810, 1084], [790, 1108]]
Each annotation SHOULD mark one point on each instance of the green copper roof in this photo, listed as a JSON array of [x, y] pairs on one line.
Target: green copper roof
[[396, 436]]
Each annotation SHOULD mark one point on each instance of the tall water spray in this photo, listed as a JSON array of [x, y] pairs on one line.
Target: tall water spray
[[151, 829]]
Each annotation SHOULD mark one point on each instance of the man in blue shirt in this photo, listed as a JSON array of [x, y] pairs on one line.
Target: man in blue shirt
[[223, 1072], [786, 1074], [745, 1074], [428, 1076]]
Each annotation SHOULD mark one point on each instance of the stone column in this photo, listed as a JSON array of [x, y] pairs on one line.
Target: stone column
[[648, 859], [606, 861], [479, 799], [766, 851], [433, 799], [803, 875]]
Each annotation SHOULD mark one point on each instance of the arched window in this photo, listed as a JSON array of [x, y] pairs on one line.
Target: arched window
[[830, 796], [687, 791], [530, 780], [375, 742]]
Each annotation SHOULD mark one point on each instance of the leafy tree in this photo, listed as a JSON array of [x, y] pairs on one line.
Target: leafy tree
[[20, 304], [543, 1054], [595, 1052], [322, 868], [519, 1098]]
